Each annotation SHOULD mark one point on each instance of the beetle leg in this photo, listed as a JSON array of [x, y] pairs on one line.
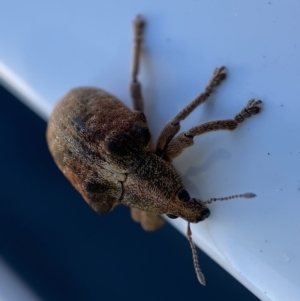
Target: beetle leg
[[149, 221], [135, 214], [173, 126], [135, 86], [184, 140]]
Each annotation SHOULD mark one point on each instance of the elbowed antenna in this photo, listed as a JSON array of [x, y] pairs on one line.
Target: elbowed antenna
[[247, 195], [199, 274]]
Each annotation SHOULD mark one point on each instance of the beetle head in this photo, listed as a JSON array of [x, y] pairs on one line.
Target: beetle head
[[191, 209], [195, 210]]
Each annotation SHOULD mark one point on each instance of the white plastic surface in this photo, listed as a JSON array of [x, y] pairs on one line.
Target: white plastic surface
[[56, 45]]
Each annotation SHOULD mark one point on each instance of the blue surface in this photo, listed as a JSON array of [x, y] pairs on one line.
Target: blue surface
[[65, 251]]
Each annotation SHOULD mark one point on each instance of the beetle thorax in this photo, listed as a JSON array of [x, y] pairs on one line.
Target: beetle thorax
[[152, 185]]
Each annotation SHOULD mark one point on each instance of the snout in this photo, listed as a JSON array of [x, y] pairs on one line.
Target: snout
[[205, 213]]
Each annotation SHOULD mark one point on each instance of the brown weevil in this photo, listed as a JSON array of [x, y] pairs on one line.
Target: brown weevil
[[106, 151]]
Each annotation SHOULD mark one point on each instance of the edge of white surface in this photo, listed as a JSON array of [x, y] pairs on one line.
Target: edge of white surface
[[21, 90], [217, 257], [11, 287]]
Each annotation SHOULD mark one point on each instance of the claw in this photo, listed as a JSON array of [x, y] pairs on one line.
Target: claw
[[252, 108]]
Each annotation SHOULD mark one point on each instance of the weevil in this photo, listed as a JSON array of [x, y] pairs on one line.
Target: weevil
[[106, 151]]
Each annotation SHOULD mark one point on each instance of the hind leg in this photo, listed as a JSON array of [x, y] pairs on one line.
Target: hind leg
[[135, 86]]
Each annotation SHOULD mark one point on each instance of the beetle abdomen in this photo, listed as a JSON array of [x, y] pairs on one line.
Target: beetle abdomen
[[93, 139]]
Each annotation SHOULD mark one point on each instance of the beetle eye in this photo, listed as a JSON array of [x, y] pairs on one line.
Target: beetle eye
[[183, 195]]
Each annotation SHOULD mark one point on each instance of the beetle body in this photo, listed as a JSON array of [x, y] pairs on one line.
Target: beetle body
[[106, 151]]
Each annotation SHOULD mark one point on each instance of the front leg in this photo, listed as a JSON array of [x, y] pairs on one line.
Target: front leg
[[186, 139]]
